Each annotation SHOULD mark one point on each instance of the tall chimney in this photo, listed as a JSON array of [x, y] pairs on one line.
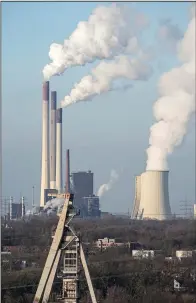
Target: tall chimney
[[59, 177], [10, 207], [67, 186], [53, 141], [23, 206], [45, 142]]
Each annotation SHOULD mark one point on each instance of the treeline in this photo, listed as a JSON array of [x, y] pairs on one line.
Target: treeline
[[165, 235], [117, 278]]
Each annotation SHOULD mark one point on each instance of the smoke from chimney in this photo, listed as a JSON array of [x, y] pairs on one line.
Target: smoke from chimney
[[176, 104], [82, 46], [104, 74], [107, 186], [54, 204]]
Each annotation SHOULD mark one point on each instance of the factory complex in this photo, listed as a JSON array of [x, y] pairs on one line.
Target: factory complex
[[151, 187]]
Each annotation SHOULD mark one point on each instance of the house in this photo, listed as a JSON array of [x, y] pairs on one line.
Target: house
[[143, 254], [106, 243], [180, 254], [178, 285]]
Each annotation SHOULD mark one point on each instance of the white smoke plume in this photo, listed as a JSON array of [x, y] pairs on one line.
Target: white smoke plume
[[104, 74], [106, 187], [176, 104], [53, 205], [168, 34], [108, 32]]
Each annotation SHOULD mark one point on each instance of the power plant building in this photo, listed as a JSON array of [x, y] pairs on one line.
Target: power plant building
[[51, 171], [82, 185], [16, 210], [152, 196], [91, 206], [52, 164]]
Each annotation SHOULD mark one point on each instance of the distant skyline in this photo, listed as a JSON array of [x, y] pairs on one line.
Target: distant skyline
[[111, 131]]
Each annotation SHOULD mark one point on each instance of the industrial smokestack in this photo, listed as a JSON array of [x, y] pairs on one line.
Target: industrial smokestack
[[59, 177], [45, 142], [23, 206], [10, 207], [154, 196], [67, 185], [53, 141]]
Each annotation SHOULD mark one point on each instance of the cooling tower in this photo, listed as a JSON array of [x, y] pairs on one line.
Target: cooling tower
[[137, 197], [53, 141], [45, 142], [59, 176], [154, 200]]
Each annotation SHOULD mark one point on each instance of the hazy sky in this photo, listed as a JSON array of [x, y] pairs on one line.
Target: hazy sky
[[112, 131]]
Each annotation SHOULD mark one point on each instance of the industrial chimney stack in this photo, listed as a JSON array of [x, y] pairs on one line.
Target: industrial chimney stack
[[53, 140], [59, 179], [45, 142], [67, 185]]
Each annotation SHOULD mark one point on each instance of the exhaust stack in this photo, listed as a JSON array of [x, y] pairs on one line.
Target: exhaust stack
[[53, 140], [45, 142], [67, 185], [59, 178]]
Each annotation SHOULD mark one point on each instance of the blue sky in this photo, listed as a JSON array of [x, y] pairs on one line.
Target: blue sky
[[111, 132]]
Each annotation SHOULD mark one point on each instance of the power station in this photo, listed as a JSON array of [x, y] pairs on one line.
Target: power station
[[52, 162], [152, 196], [151, 187], [51, 172]]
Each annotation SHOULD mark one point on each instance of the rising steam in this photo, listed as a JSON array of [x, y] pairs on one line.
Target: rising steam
[[176, 104], [106, 187], [53, 205], [108, 32], [105, 73]]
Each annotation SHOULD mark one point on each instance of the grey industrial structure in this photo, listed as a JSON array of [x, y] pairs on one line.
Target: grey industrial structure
[[152, 196], [16, 210], [52, 171], [85, 200]]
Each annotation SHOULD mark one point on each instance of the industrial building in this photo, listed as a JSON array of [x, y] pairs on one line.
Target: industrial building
[[152, 196], [91, 206], [16, 210], [82, 186]]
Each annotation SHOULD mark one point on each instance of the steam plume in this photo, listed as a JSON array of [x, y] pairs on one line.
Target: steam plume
[[169, 34], [106, 187], [107, 33], [104, 74], [53, 204], [176, 104]]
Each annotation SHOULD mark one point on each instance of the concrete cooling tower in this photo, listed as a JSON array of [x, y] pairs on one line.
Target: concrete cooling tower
[[152, 196], [137, 197]]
